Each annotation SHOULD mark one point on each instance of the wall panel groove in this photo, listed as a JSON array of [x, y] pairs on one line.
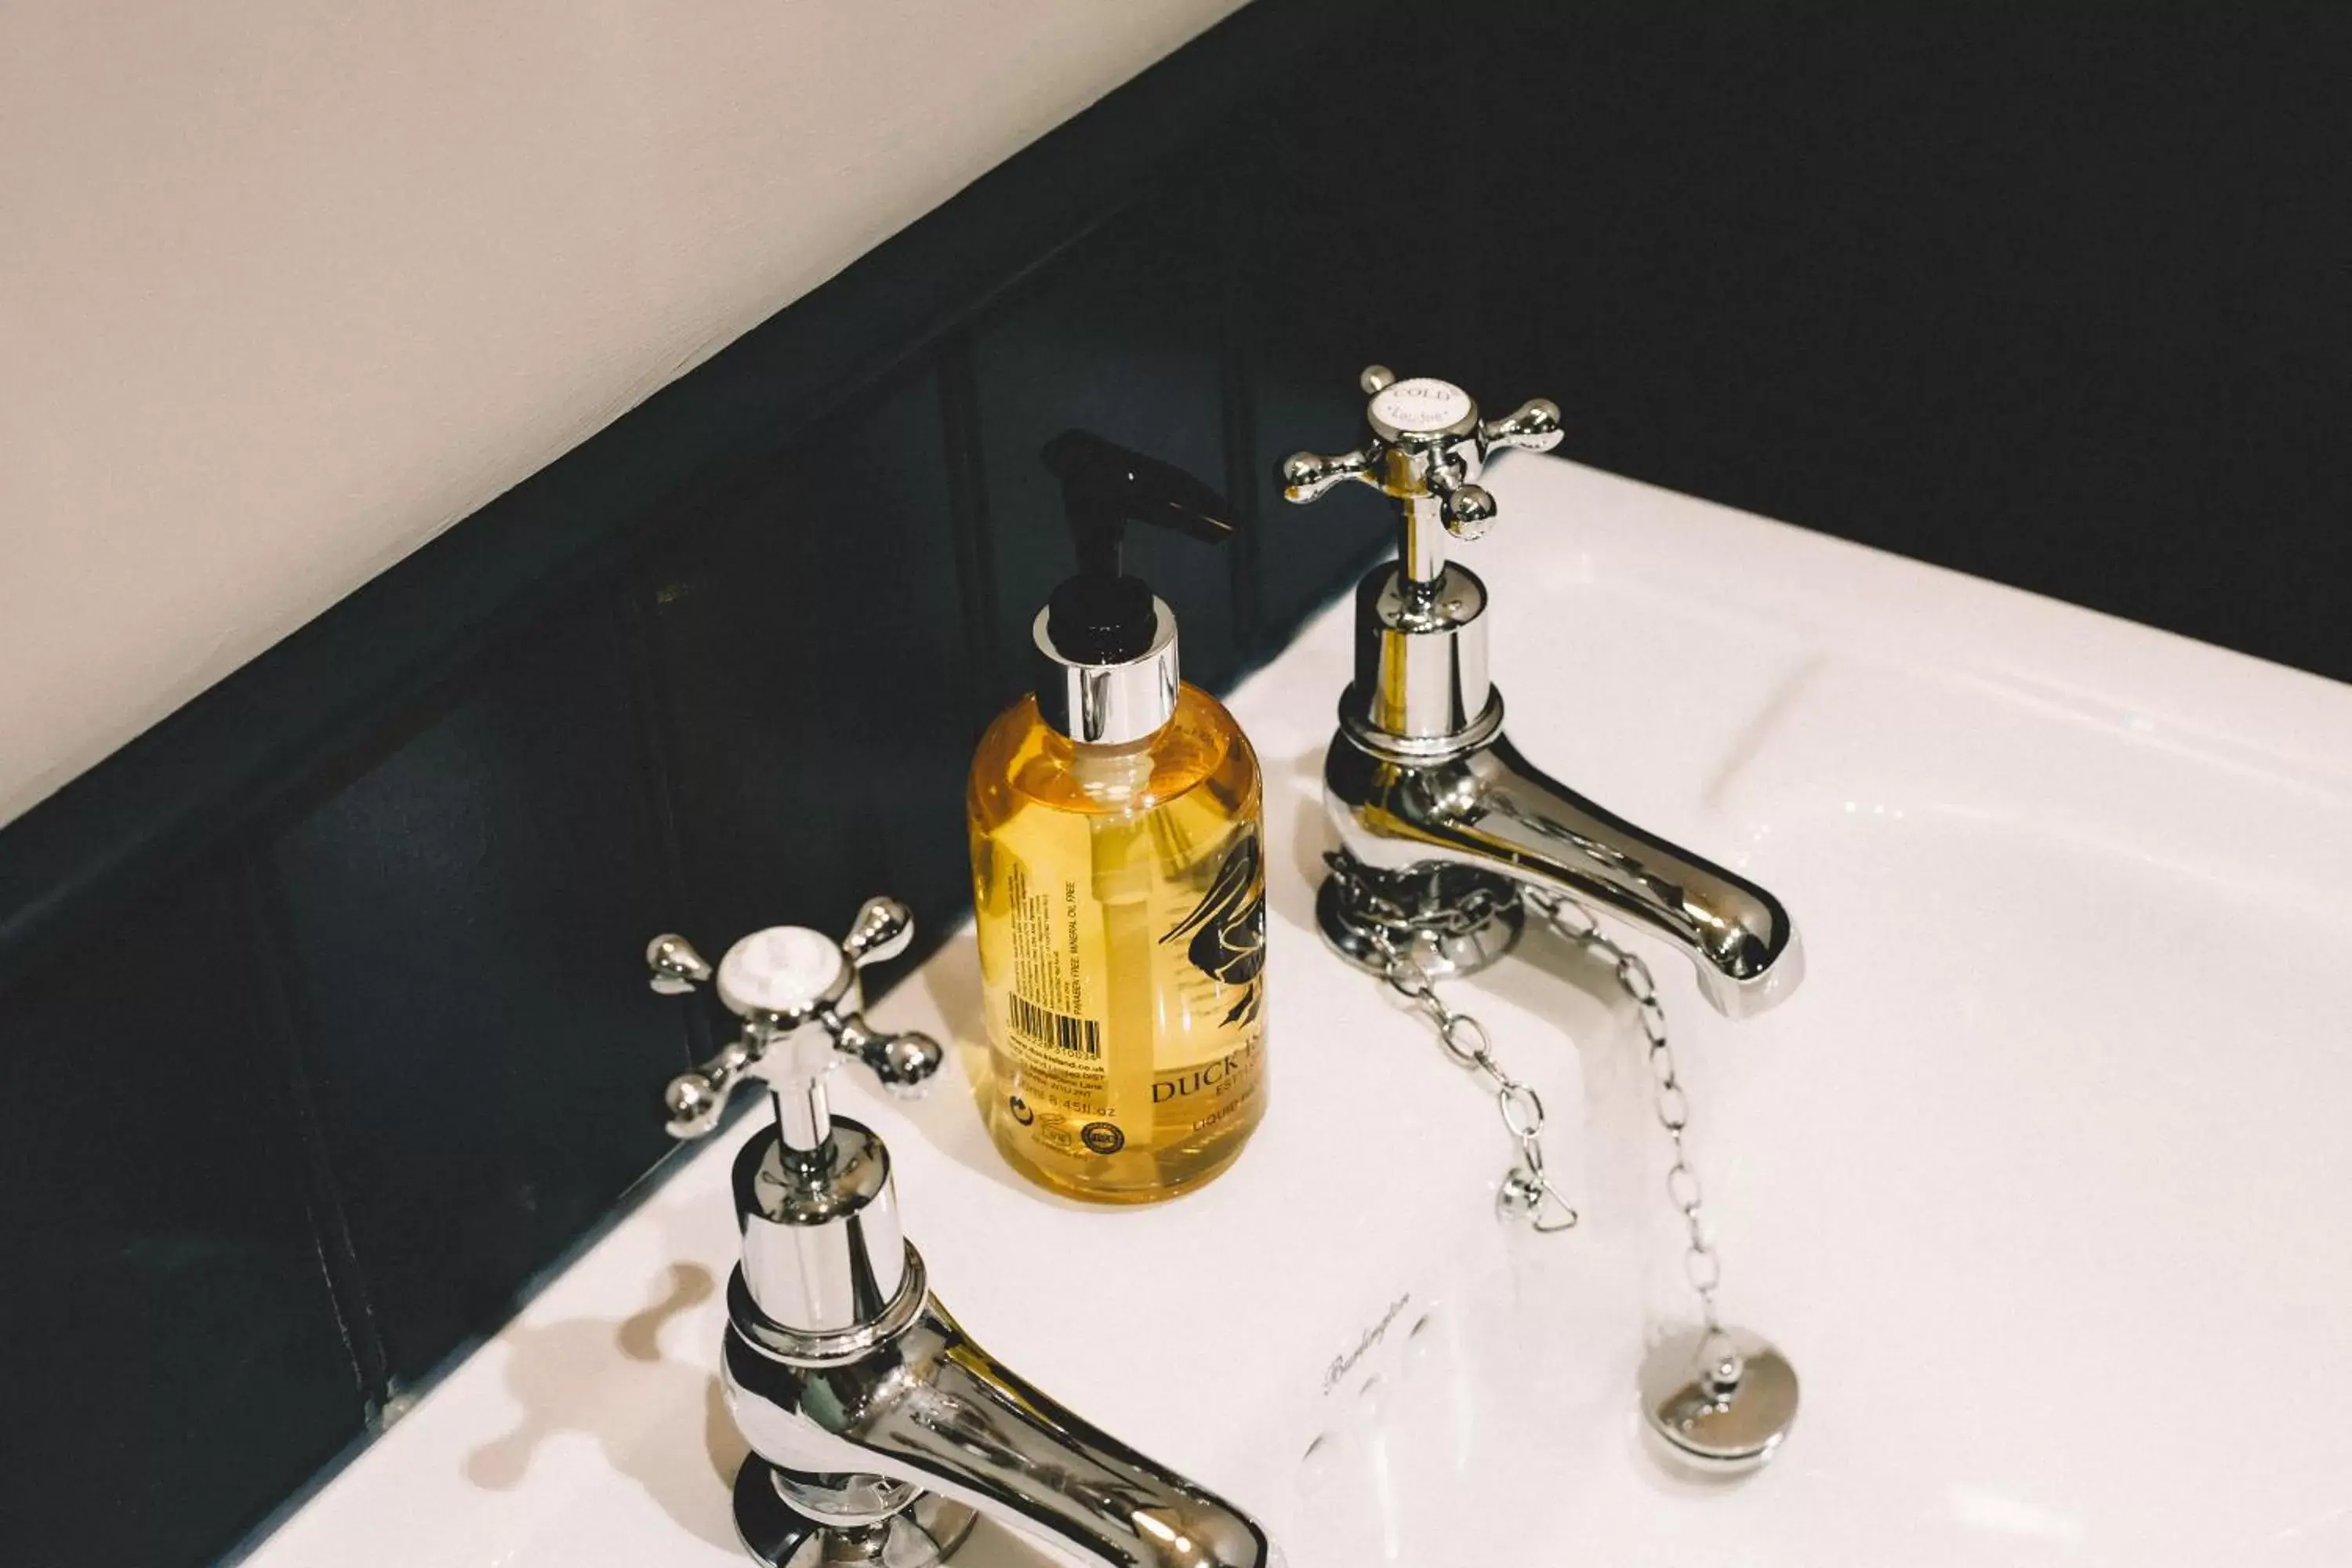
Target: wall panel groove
[[282, 1051]]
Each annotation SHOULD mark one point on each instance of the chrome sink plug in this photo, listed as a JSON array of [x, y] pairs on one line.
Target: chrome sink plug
[[1441, 822], [878, 1430]]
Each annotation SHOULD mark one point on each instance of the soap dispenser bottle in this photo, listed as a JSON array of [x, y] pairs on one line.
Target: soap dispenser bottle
[[1117, 874]]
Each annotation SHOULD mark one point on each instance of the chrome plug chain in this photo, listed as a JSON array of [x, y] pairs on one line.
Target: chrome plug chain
[[1718, 1398], [1525, 1188], [1702, 1264], [1527, 1192]]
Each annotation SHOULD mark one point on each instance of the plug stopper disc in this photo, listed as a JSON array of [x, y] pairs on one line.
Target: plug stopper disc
[[1711, 1424]]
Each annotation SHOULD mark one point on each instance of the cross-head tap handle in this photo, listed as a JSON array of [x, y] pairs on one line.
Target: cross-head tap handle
[[796, 992], [1427, 451]]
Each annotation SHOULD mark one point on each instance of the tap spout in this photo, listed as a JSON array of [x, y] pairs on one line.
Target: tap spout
[[926, 1409], [1487, 806]]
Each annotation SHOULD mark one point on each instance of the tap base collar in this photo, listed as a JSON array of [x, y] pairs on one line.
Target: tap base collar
[[1452, 919], [926, 1532]]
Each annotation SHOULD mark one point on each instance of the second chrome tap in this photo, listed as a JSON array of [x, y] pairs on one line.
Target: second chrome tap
[[1442, 816], [879, 1429]]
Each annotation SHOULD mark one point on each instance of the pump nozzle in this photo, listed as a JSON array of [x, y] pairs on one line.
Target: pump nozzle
[[1101, 616]]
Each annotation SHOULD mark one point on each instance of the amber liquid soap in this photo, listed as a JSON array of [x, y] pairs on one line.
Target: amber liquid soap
[[1119, 893]]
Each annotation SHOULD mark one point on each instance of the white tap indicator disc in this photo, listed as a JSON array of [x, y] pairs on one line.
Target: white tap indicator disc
[[1422, 404], [784, 969]]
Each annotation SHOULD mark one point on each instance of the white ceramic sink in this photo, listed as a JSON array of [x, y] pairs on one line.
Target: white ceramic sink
[[2039, 1179]]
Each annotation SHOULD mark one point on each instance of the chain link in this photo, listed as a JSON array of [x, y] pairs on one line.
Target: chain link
[[1477, 904], [1527, 1192]]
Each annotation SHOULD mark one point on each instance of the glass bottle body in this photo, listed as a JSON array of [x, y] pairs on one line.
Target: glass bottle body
[[1119, 896]]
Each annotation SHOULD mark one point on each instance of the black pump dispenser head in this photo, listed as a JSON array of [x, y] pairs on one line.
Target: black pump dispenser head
[[1106, 647], [1101, 616]]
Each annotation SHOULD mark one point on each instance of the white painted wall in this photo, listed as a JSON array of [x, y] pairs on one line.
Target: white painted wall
[[287, 286]]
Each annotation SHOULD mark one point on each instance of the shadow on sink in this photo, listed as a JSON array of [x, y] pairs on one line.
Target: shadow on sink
[[612, 1381]]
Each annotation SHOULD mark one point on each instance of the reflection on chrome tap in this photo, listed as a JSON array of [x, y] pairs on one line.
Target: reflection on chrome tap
[[925, 1407], [1488, 807]]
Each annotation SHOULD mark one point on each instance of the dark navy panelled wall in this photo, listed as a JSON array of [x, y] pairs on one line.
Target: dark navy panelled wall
[[324, 1018]]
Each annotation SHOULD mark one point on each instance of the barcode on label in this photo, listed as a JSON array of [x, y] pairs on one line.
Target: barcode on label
[[1082, 1036]]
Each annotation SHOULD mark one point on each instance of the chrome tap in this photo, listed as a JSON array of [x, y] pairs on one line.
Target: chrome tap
[[1442, 821], [879, 1431]]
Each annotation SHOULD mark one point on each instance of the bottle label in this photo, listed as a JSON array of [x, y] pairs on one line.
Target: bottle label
[[1053, 1025], [1131, 1007]]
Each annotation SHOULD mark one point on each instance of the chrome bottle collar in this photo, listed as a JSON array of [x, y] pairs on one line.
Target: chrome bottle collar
[[1109, 704]]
